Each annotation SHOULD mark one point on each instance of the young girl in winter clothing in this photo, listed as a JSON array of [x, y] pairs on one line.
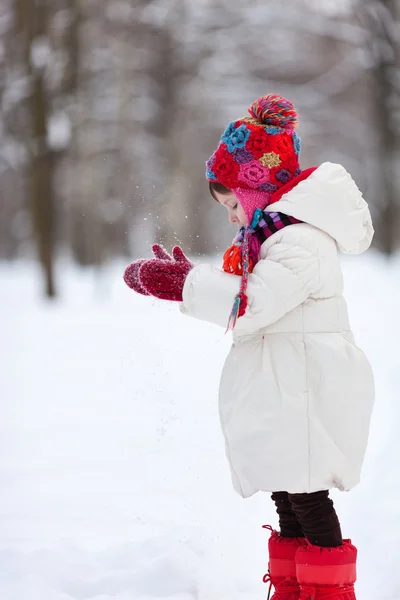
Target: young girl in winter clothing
[[296, 393]]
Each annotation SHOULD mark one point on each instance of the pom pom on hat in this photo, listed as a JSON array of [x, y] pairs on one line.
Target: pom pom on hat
[[275, 111]]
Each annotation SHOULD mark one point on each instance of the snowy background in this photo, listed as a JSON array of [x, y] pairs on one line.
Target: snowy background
[[113, 478]]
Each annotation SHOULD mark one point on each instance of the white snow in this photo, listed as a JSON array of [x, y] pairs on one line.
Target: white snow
[[113, 477]]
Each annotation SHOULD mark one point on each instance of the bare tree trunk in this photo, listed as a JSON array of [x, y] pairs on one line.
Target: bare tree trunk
[[381, 16], [41, 170], [31, 18], [71, 79]]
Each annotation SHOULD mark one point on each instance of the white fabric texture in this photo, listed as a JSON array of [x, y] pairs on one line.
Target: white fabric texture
[[296, 393]]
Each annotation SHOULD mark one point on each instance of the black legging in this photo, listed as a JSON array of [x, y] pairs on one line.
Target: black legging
[[309, 515]]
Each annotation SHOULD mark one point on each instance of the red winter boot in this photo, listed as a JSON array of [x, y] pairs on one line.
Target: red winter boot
[[327, 572], [282, 566]]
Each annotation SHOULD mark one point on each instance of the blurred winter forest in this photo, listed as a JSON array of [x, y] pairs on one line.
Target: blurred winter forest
[[110, 108]]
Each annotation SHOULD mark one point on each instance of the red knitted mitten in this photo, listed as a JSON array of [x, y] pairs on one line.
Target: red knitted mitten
[[165, 278], [131, 275]]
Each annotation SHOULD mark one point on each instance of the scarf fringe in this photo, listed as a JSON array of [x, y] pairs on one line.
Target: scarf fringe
[[238, 310], [240, 302]]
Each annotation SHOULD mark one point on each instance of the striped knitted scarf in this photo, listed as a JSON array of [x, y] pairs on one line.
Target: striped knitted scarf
[[243, 255]]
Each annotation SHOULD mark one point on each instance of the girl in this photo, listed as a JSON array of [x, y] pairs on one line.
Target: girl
[[296, 393]]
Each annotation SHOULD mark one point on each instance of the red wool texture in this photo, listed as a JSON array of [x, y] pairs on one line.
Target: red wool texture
[[165, 278], [132, 279]]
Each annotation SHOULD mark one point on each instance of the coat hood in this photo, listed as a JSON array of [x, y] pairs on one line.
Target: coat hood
[[330, 200]]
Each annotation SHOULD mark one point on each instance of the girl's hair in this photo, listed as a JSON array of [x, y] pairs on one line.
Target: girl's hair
[[219, 188]]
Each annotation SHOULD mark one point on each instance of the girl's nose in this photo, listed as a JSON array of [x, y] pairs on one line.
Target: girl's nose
[[232, 218]]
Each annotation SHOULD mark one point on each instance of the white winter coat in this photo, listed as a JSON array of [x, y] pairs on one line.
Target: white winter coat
[[296, 392]]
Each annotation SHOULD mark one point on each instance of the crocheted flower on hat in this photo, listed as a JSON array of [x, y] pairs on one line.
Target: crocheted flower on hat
[[254, 174], [242, 156], [270, 159], [268, 187], [225, 169], [282, 145], [235, 137], [258, 143], [283, 175]]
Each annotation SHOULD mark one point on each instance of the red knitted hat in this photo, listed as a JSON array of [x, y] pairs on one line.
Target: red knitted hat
[[258, 154]]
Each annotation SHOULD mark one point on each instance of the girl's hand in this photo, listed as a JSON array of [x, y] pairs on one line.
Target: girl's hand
[[131, 275], [165, 277]]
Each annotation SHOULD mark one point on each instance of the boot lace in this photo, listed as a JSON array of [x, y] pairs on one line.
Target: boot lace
[[287, 586], [309, 592]]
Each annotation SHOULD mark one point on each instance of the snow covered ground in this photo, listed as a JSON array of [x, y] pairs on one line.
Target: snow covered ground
[[113, 481]]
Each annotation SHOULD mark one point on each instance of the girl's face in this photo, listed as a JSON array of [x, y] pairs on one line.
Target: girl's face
[[235, 210]]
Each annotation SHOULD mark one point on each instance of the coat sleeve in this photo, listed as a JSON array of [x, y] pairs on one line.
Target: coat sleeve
[[280, 282]]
